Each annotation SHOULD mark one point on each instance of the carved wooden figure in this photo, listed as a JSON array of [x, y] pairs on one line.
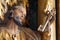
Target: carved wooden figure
[[14, 29]]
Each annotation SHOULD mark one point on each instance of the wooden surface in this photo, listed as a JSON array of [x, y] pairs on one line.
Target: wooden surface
[[41, 7], [42, 18]]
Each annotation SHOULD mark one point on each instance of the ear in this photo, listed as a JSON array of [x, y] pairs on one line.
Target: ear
[[11, 14]]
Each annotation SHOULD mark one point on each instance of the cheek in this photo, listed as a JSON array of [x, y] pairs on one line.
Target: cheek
[[22, 20]]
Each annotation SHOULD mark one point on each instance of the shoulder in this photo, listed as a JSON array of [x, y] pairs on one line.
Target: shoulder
[[35, 35]]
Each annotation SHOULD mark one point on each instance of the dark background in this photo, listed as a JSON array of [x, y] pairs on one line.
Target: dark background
[[32, 14]]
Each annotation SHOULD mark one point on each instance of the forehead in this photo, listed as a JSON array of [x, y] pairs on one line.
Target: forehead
[[20, 10]]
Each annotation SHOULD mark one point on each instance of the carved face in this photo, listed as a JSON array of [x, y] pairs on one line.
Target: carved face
[[19, 14]]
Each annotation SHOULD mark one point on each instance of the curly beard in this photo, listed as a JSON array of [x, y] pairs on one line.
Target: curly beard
[[17, 21]]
